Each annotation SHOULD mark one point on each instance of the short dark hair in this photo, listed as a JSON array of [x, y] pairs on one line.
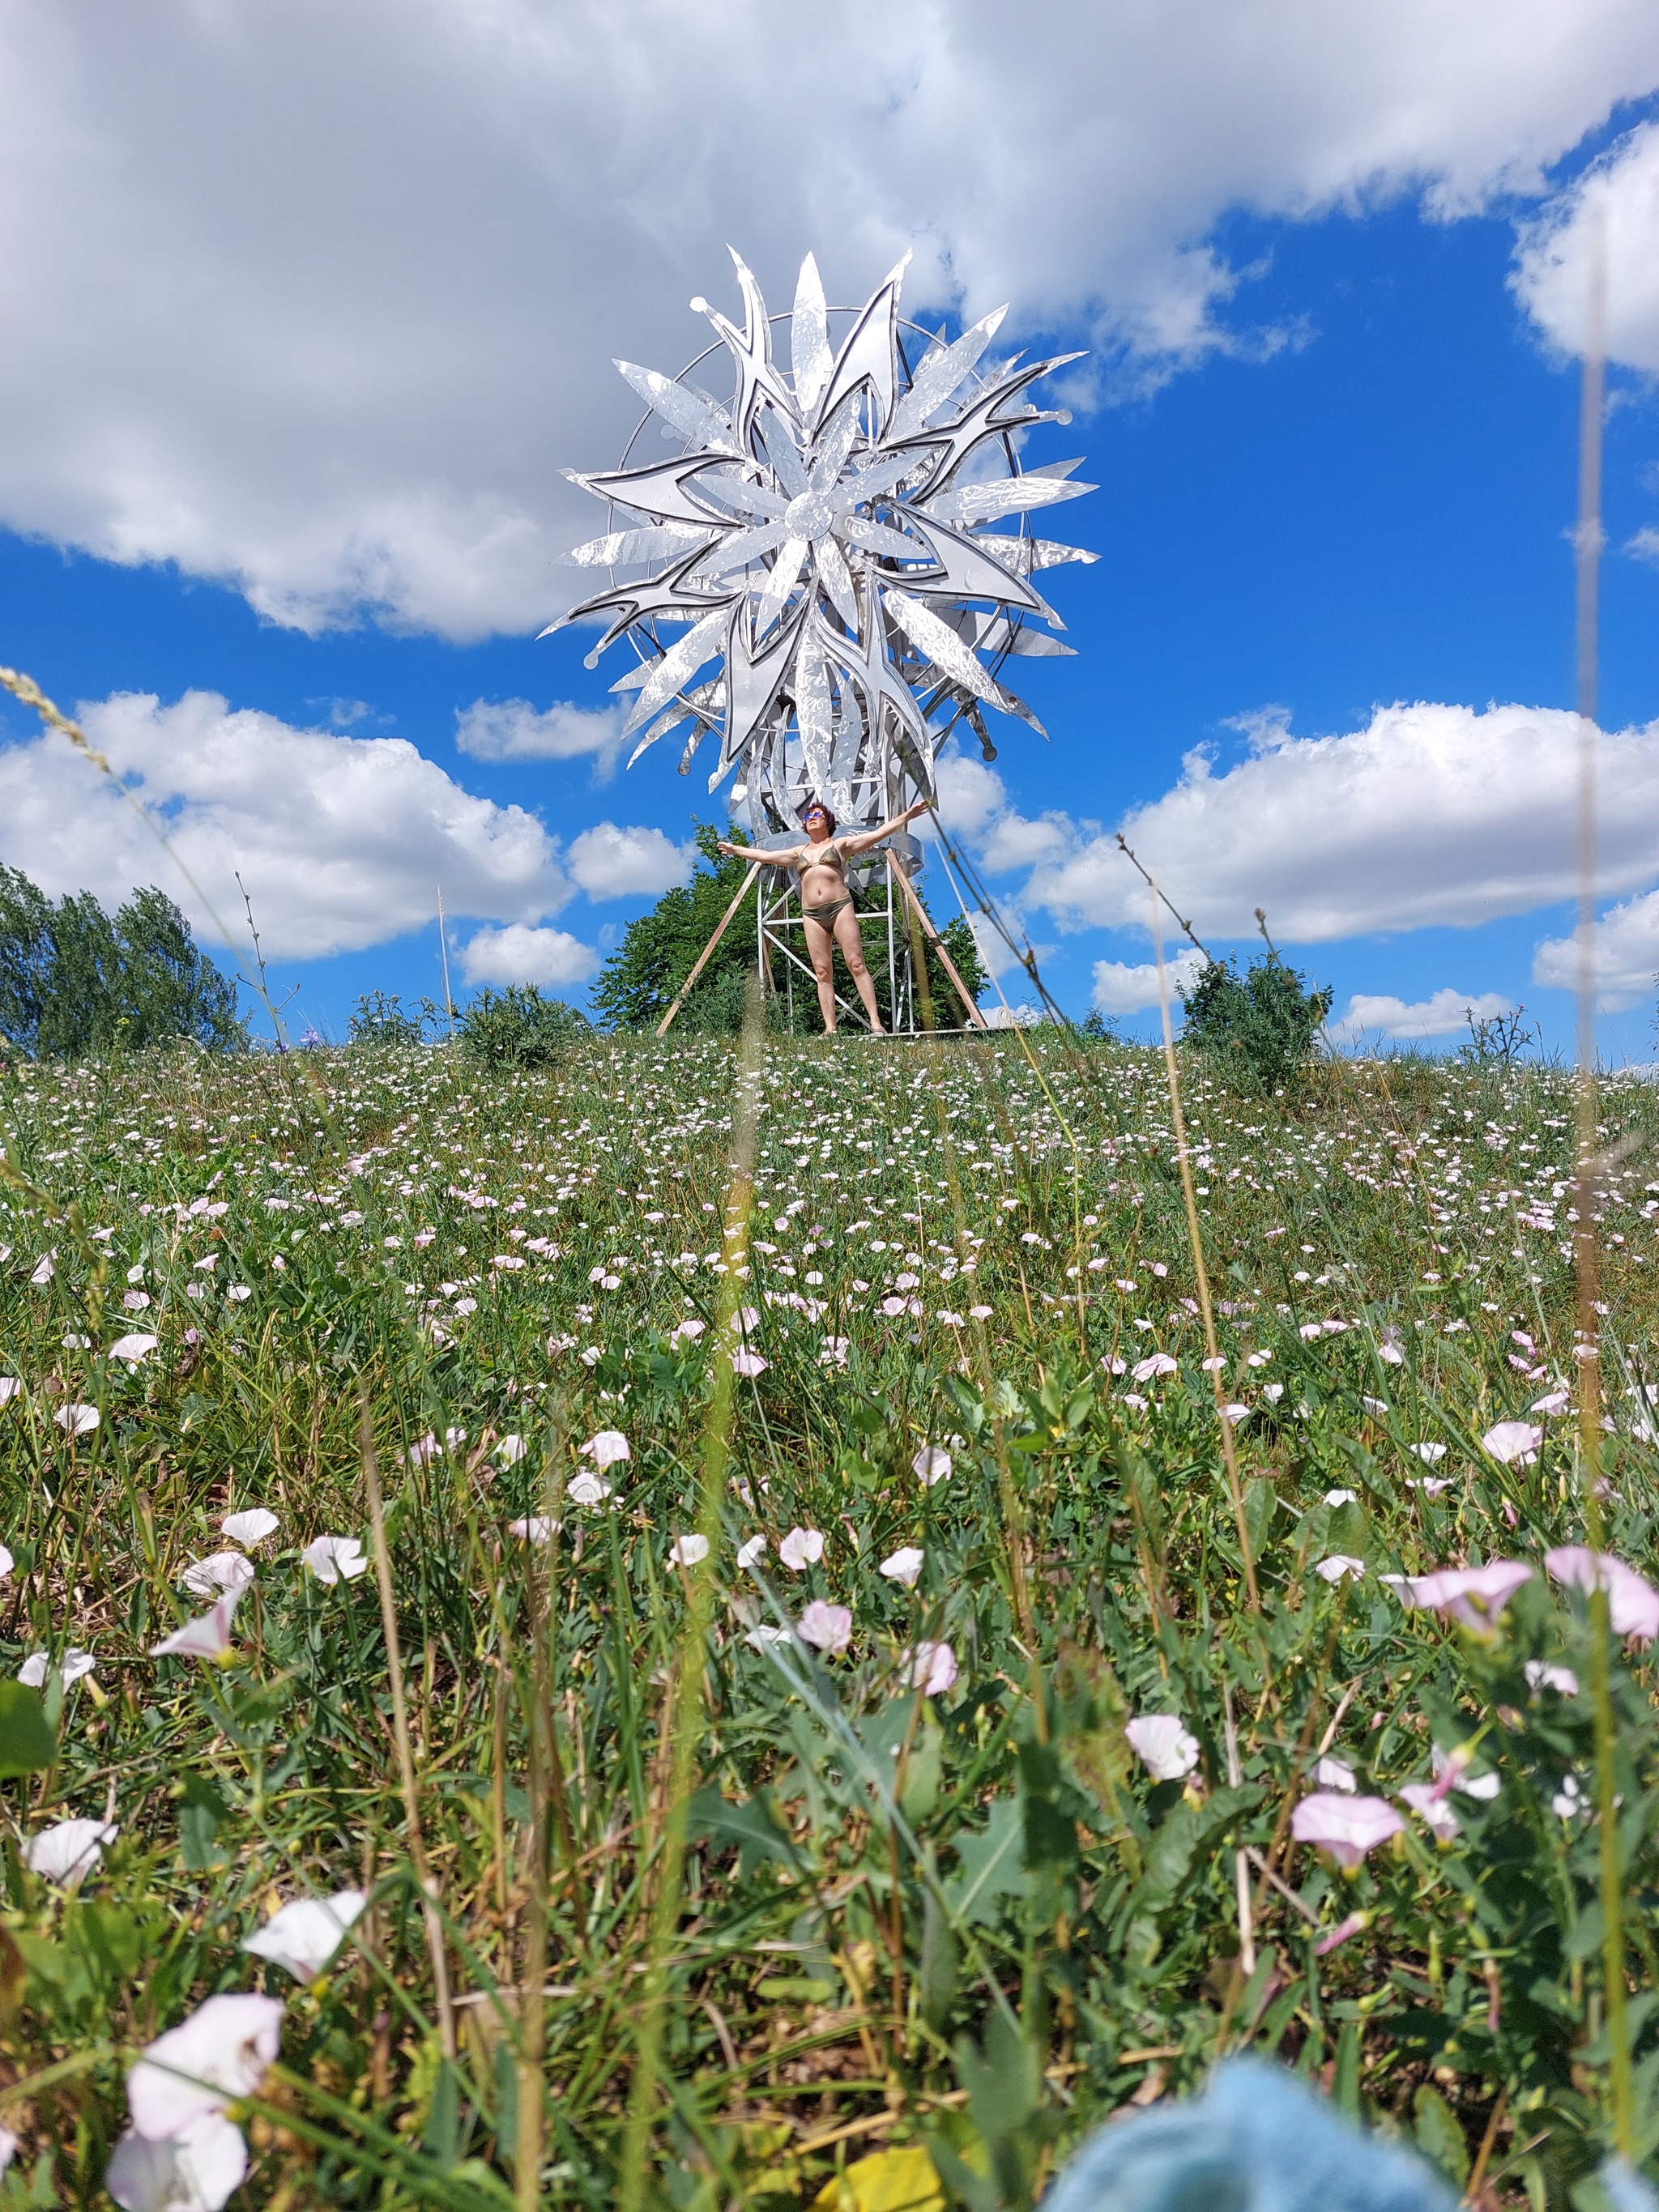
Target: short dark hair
[[817, 806]]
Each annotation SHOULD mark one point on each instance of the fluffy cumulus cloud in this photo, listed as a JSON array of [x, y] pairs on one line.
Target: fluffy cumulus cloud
[[514, 730], [341, 841], [519, 954], [1618, 198], [1126, 988], [611, 862], [317, 299], [1441, 1014], [1626, 955], [1430, 815]]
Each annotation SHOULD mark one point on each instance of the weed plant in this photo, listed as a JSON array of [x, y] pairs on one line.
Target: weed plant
[[700, 1877]]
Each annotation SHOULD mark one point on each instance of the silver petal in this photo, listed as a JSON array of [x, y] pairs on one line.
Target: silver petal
[[744, 496], [837, 583], [809, 339], [876, 538], [693, 418], [680, 661], [782, 451], [744, 546], [786, 574], [940, 374], [624, 547], [941, 644], [813, 713], [869, 354], [975, 502]]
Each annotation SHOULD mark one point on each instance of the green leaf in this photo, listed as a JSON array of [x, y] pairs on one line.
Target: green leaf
[[990, 1865], [27, 1744], [941, 1964], [750, 1826], [1438, 2135]]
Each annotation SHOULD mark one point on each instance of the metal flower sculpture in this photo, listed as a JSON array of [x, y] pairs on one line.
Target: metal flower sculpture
[[830, 539]]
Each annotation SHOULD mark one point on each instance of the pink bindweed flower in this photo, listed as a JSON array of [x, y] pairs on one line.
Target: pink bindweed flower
[[1540, 1675], [208, 1637], [931, 1465], [607, 1448], [534, 1528], [218, 2055], [71, 1667], [138, 1345], [749, 1365], [303, 1936], [198, 2170], [903, 1566], [1474, 1596], [829, 1626], [1430, 1807], [1633, 1601], [1346, 1827], [931, 1668], [1513, 1443], [251, 1527], [1353, 1925], [219, 1570], [1157, 1363], [1451, 1772], [334, 1559], [801, 1547], [1552, 1401], [687, 1331], [67, 1852], [1335, 1774], [1162, 1746]]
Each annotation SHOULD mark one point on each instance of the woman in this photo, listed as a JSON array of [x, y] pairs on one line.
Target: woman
[[826, 901]]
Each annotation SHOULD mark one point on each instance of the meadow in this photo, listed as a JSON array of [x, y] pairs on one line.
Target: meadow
[[724, 1597]]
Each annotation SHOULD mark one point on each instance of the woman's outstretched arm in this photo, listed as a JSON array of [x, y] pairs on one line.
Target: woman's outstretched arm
[[862, 839]]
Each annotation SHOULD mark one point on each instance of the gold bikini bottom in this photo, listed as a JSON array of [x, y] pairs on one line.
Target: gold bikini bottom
[[825, 912]]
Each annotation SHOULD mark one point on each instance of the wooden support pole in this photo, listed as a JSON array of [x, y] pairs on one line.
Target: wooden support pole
[[755, 867], [975, 1018]]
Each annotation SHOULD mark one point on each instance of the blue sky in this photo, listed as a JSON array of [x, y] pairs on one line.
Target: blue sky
[[1336, 471]]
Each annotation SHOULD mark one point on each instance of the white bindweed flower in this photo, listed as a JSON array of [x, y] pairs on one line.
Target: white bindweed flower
[[334, 1559], [1456, 1766], [73, 1664], [44, 1272], [1432, 1808], [136, 1346], [688, 1551], [10, 1388], [250, 1527], [801, 1547], [67, 1851], [302, 1937], [607, 1448], [1155, 1363], [1335, 1774], [1338, 1565], [1540, 1675], [687, 1331], [1162, 1746], [752, 1549], [931, 1668], [535, 1528], [208, 1637], [219, 1570], [76, 1420], [510, 1450], [1430, 1453], [1338, 1498], [588, 1488], [931, 1465], [197, 2170], [1513, 1441], [219, 2054], [903, 1566], [766, 1638], [828, 1626]]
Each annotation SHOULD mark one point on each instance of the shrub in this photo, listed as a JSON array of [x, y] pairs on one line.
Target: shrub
[[76, 983], [381, 1019], [518, 1027], [1256, 1030]]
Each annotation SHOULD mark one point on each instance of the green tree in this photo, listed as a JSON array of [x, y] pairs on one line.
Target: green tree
[[646, 973], [1257, 1029], [76, 983]]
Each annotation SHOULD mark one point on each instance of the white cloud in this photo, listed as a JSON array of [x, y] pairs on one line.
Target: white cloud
[[342, 841], [1430, 815], [1626, 955], [1120, 988], [518, 954], [611, 862], [970, 795], [317, 299], [1620, 196], [1441, 1014], [512, 729]]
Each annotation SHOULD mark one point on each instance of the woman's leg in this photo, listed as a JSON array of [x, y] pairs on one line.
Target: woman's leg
[[821, 951], [851, 946]]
